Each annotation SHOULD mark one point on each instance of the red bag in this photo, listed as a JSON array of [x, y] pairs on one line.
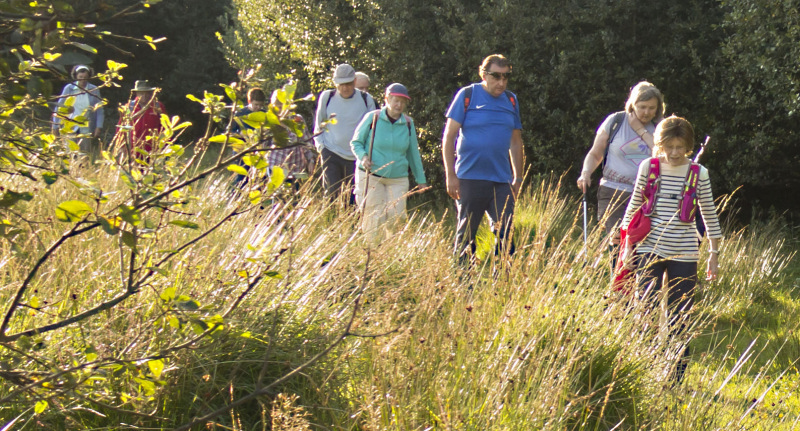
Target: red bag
[[638, 228], [622, 275]]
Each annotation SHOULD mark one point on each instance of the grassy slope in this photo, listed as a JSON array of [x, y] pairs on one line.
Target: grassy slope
[[533, 342]]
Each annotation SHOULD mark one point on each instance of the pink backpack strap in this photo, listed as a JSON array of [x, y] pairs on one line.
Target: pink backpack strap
[[688, 204], [651, 187]]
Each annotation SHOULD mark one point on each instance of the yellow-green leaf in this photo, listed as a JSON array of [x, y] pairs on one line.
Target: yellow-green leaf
[[72, 211], [156, 367], [238, 169], [40, 407]]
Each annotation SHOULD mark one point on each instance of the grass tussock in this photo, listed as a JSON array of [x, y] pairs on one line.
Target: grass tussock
[[535, 341]]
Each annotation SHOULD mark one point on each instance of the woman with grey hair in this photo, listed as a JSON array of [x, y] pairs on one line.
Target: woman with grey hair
[[80, 103], [622, 142]]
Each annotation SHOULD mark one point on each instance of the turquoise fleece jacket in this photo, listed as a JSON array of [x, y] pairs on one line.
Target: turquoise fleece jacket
[[395, 148]]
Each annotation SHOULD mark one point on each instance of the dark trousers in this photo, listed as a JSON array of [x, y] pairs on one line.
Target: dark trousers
[[479, 197], [337, 172], [681, 282]]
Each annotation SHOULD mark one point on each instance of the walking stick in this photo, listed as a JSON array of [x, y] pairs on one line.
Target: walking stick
[[585, 239], [369, 154]]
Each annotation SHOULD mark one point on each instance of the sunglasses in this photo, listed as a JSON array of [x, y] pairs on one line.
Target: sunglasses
[[499, 75]]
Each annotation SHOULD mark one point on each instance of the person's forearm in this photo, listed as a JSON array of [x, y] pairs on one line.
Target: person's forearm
[[713, 244], [449, 151], [517, 157], [590, 163]]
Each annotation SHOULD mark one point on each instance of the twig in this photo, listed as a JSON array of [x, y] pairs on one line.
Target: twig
[[76, 230], [266, 389]]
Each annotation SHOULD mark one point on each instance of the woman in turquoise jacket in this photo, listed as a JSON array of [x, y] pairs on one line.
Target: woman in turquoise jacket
[[385, 146]]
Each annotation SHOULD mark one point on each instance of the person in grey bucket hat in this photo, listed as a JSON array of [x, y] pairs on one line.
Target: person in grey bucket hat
[[348, 104]]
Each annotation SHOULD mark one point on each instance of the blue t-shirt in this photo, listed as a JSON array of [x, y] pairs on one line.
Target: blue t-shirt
[[485, 135]]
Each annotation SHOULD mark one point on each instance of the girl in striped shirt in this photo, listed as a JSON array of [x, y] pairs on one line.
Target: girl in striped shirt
[[672, 245]]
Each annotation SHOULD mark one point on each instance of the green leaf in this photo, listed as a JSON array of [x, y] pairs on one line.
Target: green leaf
[[129, 239], [90, 353], [84, 47], [185, 224], [72, 211], [254, 196], [193, 98], [276, 179], [49, 177], [174, 322], [255, 119], [238, 169], [273, 274], [110, 225], [230, 92], [11, 197], [198, 326], [220, 139], [168, 294], [26, 24], [40, 407], [147, 386], [156, 367], [188, 305], [130, 215]]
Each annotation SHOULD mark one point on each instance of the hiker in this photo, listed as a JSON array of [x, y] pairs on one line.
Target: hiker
[[484, 170], [144, 114], [298, 160], [362, 83], [385, 146], [86, 109], [333, 140], [622, 141], [256, 102], [671, 247]]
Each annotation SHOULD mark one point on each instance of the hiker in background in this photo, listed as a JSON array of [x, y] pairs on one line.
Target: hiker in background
[[484, 171], [622, 141], [385, 146], [298, 160], [671, 247], [86, 104], [333, 141], [144, 116], [362, 83], [256, 102]]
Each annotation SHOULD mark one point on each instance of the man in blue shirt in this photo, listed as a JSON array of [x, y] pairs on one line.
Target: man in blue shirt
[[482, 150]]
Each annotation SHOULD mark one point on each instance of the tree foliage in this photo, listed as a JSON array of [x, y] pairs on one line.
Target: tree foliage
[[82, 239], [729, 67]]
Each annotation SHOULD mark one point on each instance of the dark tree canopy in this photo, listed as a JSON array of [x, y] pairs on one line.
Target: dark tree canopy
[[730, 68]]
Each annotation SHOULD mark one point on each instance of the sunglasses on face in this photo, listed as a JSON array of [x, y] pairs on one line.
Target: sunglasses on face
[[499, 75]]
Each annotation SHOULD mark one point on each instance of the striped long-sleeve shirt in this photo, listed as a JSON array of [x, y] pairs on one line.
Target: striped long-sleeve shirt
[[669, 237]]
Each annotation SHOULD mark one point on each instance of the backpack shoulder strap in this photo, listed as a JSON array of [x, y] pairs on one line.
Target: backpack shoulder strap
[[619, 117], [467, 97], [408, 123], [513, 100], [688, 203], [616, 122], [364, 96], [650, 191], [329, 94]]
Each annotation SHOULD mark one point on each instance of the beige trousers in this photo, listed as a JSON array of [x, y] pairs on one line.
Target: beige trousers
[[382, 203]]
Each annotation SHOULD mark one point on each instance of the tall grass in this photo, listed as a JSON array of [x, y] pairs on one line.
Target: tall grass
[[535, 341]]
